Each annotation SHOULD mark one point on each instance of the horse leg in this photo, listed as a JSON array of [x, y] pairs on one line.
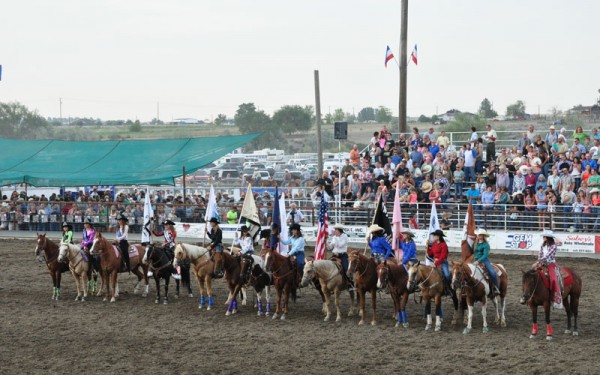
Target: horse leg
[[484, 314], [352, 303], [567, 304], [208, 280], [404, 319], [177, 282], [166, 297], [77, 281], [105, 285], [278, 301], [336, 294], [258, 302], [58, 279], [503, 308], [84, 277], [397, 313], [361, 302], [574, 302], [438, 313], [428, 313], [268, 298], [286, 298], [374, 306], [455, 304], [469, 326], [534, 327], [327, 296], [157, 282], [548, 325], [114, 285], [496, 302]]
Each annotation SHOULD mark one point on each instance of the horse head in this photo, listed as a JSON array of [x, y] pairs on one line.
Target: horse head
[[269, 260], [95, 244], [309, 273], [413, 273], [383, 271], [180, 254], [353, 258], [62, 252], [40, 244], [219, 261], [246, 266], [531, 280], [458, 274], [148, 252]]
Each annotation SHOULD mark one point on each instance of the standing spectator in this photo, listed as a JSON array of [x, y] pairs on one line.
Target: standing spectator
[[552, 137], [443, 140], [490, 138], [459, 177], [518, 182], [524, 141], [502, 179], [474, 135], [531, 134], [470, 157], [579, 134]]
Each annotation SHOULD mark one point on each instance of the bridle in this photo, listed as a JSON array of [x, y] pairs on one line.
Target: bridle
[[43, 248], [162, 255], [422, 283], [385, 280], [275, 272], [352, 267], [537, 281]]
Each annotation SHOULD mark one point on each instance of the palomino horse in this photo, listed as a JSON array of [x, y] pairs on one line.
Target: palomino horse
[[365, 280], [161, 267], [536, 292], [284, 278], [78, 264], [396, 277], [224, 261], [252, 272], [331, 279], [55, 267], [202, 268], [431, 281], [111, 265]]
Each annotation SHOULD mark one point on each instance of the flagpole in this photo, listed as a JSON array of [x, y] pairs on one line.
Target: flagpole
[[372, 222]]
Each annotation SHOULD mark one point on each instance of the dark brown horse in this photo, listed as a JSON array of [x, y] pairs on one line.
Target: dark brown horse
[[55, 268], [230, 265], [284, 279], [252, 273], [536, 292], [396, 277], [365, 280]]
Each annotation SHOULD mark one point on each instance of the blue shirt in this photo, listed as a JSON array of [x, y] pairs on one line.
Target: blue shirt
[[472, 195], [434, 150], [487, 197], [591, 162], [410, 251], [379, 245], [297, 244], [396, 159]]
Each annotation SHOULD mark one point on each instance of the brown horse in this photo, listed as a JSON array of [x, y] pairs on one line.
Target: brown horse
[[55, 268], [396, 277], [284, 279], [202, 268], [252, 273], [431, 281], [111, 265], [365, 280], [224, 261], [536, 292]]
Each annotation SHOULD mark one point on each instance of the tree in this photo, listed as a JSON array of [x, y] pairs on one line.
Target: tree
[[350, 118], [424, 118], [135, 127], [156, 121], [339, 115], [486, 110], [220, 120], [516, 110], [435, 118], [383, 115], [249, 120], [17, 121], [366, 114], [293, 118], [328, 119]]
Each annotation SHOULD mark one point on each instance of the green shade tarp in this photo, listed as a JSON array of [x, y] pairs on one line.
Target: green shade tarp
[[68, 163]]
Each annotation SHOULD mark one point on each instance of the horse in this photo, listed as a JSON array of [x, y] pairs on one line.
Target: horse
[[395, 276], [223, 261], [78, 264], [161, 267], [284, 279], [536, 292], [365, 280], [55, 267], [469, 280], [431, 281], [252, 273], [111, 265], [330, 277], [203, 264]]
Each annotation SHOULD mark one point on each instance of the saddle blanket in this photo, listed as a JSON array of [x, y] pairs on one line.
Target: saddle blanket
[[133, 252]]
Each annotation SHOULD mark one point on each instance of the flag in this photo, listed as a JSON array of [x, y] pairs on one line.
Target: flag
[[211, 207], [469, 227], [283, 249], [0, 72], [388, 55], [382, 219], [413, 55], [148, 215], [434, 224], [250, 213], [275, 220], [321, 230], [397, 226]]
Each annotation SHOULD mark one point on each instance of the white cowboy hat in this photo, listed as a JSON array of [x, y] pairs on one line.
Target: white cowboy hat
[[408, 232], [482, 232], [517, 193], [516, 161], [552, 127], [566, 197], [426, 187], [594, 190], [548, 233], [338, 226], [374, 228], [524, 169], [427, 168], [417, 172], [536, 161]]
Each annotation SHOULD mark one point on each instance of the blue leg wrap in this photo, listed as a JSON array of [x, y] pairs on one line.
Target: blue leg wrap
[[210, 301], [202, 300]]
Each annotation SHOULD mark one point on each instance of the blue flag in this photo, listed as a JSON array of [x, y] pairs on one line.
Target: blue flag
[[276, 221], [0, 72]]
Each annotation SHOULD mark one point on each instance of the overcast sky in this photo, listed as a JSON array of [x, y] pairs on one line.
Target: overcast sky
[[116, 59]]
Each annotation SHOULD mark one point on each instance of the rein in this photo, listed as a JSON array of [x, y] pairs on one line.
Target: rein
[[422, 283], [158, 269], [366, 267], [537, 281]]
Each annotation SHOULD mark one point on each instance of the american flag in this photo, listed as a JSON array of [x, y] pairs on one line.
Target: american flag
[[322, 230]]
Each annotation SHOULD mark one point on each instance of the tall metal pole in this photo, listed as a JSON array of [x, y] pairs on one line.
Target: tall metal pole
[[403, 64], [318, 116], [60, 108]]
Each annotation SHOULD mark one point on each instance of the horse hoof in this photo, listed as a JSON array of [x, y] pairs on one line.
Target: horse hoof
[[549, 338], [259, 314], [405, 325], [339, 319], [112, 299], [156, 300], [373, 323], [438, 329], [104, 300], [165, 302], [283, 317], [326, 319], [228, 313], [568, 332], [575, 333], [351, 313], [77, 298], [532, 336], [234, 311], [428, 327], [208, 308], [453, 322], [144, 294], [199, 307], [361, 322], [191, 295], [397, 325], [267, 314], [503, 323], [466, 331], [274, 316], [244, 303], [485, 330], [176, 295]]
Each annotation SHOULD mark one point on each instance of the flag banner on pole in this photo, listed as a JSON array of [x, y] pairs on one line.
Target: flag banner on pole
[[388, 55], [397, 226], [413, 55], [211, 207], [148, 215], [0, 72], [469, 227], [382, 219], [283, 249], [276, 220], [322, 230], [434, 224], [250, 213]]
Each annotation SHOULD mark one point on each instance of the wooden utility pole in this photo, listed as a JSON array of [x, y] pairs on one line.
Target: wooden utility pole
[[318, 117], [403, 63]]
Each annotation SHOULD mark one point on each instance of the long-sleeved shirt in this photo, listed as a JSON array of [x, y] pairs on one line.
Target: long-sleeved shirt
[[481, 252], [216, 237], [246, 244], [502, 180], [122, 233], [67, 237], [547, 254], [439, 252], [338, 244], [88, 237], [409, 251], [379, 245], [169, 236], [296, 244], [518, 183], [487, 198]]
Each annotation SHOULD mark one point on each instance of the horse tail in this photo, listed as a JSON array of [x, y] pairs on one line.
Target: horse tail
[[185, 275], [294, 292]]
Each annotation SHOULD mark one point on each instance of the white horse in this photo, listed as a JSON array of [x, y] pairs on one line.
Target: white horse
[[78, 266], [202, 268], [331, 279], [253, 273]]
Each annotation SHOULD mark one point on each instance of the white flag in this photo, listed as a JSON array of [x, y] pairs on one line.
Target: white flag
[[283, 249], [434, 224], [148, 215], [250, 212], [211, 206]]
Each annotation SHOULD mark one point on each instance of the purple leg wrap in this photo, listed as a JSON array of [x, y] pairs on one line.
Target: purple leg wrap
[[235, 304], [230, 307], [268, 306], [259, 306]]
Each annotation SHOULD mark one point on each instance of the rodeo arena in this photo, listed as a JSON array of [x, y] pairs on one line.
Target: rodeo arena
[[416, 250]]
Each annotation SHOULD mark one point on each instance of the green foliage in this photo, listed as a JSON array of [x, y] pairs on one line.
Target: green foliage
[[366, 114], [350, 118], [17, 121], [462, 124], [486, 110], [156, 121], [249, 120], [135, 127], [293, 118], [435, 118], [339, 115], [516, 110], [424, 118], [383, 115], [220, 120], [328, 119]]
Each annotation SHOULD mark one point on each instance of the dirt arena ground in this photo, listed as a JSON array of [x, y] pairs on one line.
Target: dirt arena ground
[[134, 335]]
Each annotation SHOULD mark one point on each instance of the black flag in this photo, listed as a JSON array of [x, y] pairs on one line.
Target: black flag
[[381, 219]]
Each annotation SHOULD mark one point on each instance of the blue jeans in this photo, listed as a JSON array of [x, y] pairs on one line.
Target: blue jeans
[[219, 248], [567, 217], [458, 191], [491, 271], [469, 174], [446, 271], [300, 262], [344, 258]]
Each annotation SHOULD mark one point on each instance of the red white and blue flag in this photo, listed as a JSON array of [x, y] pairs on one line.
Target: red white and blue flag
[[413, 55], [388, 55], [322, 230]]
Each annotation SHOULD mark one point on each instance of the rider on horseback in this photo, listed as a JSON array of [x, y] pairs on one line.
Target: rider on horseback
[[216, 236], [409, 249], [67, 233], [546, 258], [481, 251], [338, 244], [438, 250], [297, 247], [245, 241], [122, 234], [380, 248], [170, 234], [88, 236]]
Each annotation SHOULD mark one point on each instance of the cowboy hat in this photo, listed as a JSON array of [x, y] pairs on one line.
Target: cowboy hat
[[417, 172], [89, 222], [168, 222], [427, 168], [214, 220], [517, 193], [408, 232], [482, 232], [374, 228], [265, 233], [594, 190], [517, 161], [524, 169], [124, 218], [69, 226], [295, 226], [552, 127], [536, 161], [439, 233], [244, 228], [426, 187], [566, 197], [339, 227], [548, 233]]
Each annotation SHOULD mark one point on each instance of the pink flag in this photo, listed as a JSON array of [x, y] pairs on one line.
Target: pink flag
[[397, 226]]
